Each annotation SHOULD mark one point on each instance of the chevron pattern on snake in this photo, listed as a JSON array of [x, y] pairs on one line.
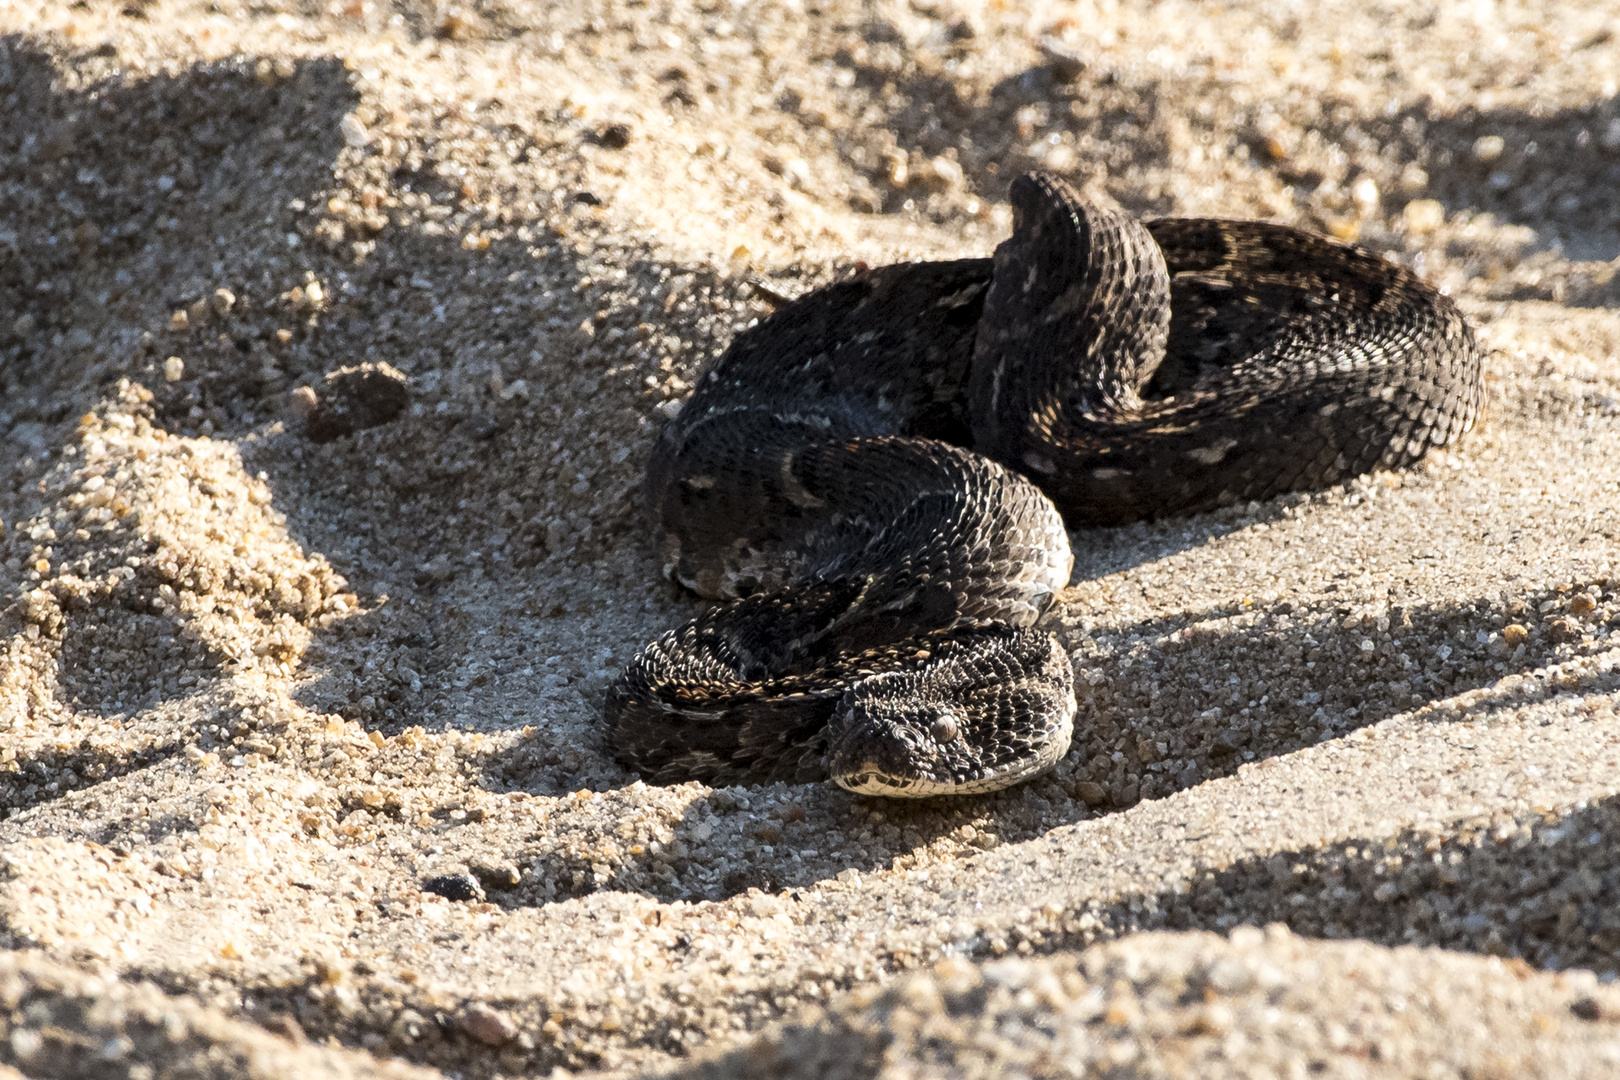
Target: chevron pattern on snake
[[876, 480]]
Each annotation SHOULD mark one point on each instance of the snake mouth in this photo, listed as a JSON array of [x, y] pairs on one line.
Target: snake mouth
[[873, 780], [870, 782], [881, 762], [889, 764]]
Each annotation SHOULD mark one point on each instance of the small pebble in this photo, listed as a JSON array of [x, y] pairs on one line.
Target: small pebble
[[946, 171], [303, 401], [497, 876], [353, 131], [1414, 178], [1365, 192], [1514, 634], [1586, 1008], [174, 369], [613, 136], [1562, 630], [796, 173], [1347, 229], [1421, 216], [1230, 975], [457, 887], [1065, 63], [488, 1026], [26, 1043], [899, 169], [355, 398], [223, 300], [1488, 148], [1247, 937]]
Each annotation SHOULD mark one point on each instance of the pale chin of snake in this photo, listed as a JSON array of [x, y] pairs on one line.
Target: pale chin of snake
[[868, 776], [856, 478]]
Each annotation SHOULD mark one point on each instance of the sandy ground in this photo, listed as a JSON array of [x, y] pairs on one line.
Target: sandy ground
[[265, 672]]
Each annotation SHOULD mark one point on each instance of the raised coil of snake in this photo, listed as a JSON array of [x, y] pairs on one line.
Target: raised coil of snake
[[877, 478]]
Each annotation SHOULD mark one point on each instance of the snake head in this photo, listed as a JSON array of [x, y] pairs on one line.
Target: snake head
[[989, 709], [880, 745]]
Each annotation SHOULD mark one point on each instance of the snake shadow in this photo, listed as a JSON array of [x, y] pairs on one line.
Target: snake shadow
[[1162, 708], [470, 490], [539, 763]]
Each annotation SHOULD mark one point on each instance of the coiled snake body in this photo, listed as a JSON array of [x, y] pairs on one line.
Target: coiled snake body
[[877, 478]]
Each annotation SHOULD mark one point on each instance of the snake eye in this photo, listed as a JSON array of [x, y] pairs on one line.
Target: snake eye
[[944, 729]]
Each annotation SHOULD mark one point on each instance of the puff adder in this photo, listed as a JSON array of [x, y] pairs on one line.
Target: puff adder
[[877, 479]]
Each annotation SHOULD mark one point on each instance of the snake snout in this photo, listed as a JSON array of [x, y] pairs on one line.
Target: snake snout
[[874, 748]]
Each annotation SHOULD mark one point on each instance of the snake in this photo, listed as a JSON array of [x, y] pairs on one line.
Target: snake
[[877, 481]]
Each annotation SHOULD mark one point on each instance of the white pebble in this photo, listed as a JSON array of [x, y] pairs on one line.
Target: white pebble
[[303, 401], [174, 369], [1365, 192], [948, 171], [1489, 147], [1423, 215], [354, 132], [796, 172]]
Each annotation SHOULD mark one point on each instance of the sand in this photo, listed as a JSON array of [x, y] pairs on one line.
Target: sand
[[333, 340]]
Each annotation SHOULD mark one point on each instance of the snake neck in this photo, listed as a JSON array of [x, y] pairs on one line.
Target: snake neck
[[1057, 352]]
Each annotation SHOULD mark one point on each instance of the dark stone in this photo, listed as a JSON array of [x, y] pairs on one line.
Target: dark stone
[[1065, 64], [355, 398], [497, 876], [458, 887], [613, 136]]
